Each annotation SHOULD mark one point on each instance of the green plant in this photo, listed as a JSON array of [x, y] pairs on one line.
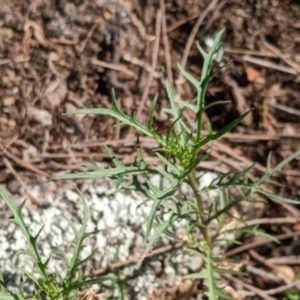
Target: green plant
[[180, 154], [48, 286]]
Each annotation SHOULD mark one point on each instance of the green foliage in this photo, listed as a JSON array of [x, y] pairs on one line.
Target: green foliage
[[181, 153], [49, 286]]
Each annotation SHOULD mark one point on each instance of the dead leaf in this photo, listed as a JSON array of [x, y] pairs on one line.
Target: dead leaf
[[38, 32], [53, 85], [9, 101], [39, 115], [57, 96], [296, 227], [53, 56], [233, 293], [285, 273], [6, 34], [254, 75]]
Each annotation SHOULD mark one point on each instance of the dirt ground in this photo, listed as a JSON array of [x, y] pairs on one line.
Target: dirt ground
[[58, 56]]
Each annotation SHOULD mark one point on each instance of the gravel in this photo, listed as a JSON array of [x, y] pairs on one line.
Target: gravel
[[121, 225]]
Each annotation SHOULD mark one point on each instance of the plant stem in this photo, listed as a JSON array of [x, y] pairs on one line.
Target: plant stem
[[202, 218]]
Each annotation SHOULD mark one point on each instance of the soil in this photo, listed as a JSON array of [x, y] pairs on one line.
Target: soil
[[59, 56]]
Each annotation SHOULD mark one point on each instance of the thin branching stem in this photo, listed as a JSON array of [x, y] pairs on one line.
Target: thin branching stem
[[202, 218]]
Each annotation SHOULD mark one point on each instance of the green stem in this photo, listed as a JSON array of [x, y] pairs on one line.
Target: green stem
[[202, 218]]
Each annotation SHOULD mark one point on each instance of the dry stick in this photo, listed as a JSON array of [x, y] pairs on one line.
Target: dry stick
[[290, 220], [269, 64], [267, 275], [132, 261], [89, 34], [253, 52], [260, 242], [285, 260], [191, 38], [25, 165], [277, 290], [282, 288], [154, 63], [64, 41], [281, 55], [273, 267], [20, 181], [115, 67], [182, 22], [166, 42], [138, 62], [289, 110], [249, 287], [240, 137], [261, 259]]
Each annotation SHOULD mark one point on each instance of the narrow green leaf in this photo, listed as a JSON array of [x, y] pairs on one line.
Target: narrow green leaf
[[101, 173], [35, 280], [287, 160], [151, 113], [151, 217], [119, 165], [84, 260], [7, 296], [193, 165], [204, 54], [94, 164], [224, 130], [188, 76], [141, 162], [198, 253], [254, 230], [231, 125], [276, 197], [166, 162], [186, 104], [159, 229], [89, 282], [221, 102], [200, 275]]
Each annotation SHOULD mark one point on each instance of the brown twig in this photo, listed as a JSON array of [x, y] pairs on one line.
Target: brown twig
[[154, 62], [269, 221], [259, 242], [182, 22], [89, 34], [253, 52], [285, 260], [249, 287], [269, 64], [24, 164], [34, 200], [289, 110], [112, 66], [166, 42], [132, 261], [278, 53]]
